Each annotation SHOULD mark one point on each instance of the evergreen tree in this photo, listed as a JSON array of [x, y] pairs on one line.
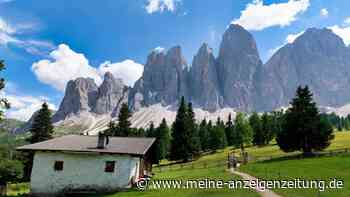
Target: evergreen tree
[[112, 129], [151, 131], [124, 124], [193, 131], [243, 131], [229, 131], [303, 128], [181, 138], [204, 135], [217, 136], [156, 152], [258, 132], [163, 134], [42, 128]]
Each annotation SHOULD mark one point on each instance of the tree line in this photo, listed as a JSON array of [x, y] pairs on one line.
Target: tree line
[[187, 138]]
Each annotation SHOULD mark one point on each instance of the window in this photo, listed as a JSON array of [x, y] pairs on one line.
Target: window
[[110, 165], [58, 165]]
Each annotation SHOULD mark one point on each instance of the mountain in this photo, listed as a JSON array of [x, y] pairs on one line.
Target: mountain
[[319, 59], [83, 97], [163, 80], [238, 62], [204, 82], [235, 80]]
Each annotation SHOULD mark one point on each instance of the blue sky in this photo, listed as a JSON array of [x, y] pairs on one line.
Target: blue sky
[[46, 43]]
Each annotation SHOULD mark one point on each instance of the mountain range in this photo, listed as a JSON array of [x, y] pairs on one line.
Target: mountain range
[[234, 80]]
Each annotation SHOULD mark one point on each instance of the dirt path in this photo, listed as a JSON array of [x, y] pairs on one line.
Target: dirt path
[[245, 176]]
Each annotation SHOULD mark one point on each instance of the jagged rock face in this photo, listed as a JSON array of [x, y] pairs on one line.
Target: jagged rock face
[[163, 80], [111, 94], [238, 62], [83, 95], [205, 91], [319, 59], [80, 95]]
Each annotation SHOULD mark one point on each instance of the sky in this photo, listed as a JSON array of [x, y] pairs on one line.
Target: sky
[[47, 43]]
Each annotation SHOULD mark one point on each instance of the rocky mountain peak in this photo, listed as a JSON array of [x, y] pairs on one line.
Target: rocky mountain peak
[[316, 40], [80, 95], [110, 95], [318, 58], [205, 91], [236, 40], [238, 63]]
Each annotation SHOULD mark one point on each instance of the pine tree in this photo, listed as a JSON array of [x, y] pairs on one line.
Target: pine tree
[[244, 133], [193, 131], [163, 134], [204, 135], [124, 124], [229, 131], [112, 129], [42, 128], [303, 128], [181, 139], [217, 135]]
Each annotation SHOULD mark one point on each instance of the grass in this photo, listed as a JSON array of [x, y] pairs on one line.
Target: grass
[[313, 168], [323, 168], [190, 174]]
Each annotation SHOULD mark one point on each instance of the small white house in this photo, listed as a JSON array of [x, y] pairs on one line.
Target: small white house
[[84, 164]]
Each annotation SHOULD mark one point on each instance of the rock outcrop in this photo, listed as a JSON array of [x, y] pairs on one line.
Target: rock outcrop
[[238, 64], [203, 82], [83, 95], [163, 80], [319, 59], [111, 94], [80, 95]]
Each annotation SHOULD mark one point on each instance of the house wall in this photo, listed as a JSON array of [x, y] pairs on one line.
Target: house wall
[[81, 171]]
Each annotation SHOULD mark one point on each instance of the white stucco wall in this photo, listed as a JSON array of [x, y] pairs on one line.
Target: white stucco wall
[[81, 171]]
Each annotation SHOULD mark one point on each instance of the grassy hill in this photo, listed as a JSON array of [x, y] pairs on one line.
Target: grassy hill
[[313, 168]]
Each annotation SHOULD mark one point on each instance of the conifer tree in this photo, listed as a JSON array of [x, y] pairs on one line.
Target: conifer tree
[[42, 128], [181, 138], [124, 124], [163, 134], [229, 131], [204, 135], [193, 131], [303, 128]]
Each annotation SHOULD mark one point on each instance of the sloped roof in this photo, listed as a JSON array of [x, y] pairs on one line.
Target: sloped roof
[[80, 143]]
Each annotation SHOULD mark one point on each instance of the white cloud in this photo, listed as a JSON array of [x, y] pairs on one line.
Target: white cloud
[[9, 33], [128, 70], [159, 49], [23, 107], [343, 32], [67, 65], [161, 5], [258, 16], [324, 12], [292, 37]]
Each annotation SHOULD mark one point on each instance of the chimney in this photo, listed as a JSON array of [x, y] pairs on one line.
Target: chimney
[[101, 141]]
